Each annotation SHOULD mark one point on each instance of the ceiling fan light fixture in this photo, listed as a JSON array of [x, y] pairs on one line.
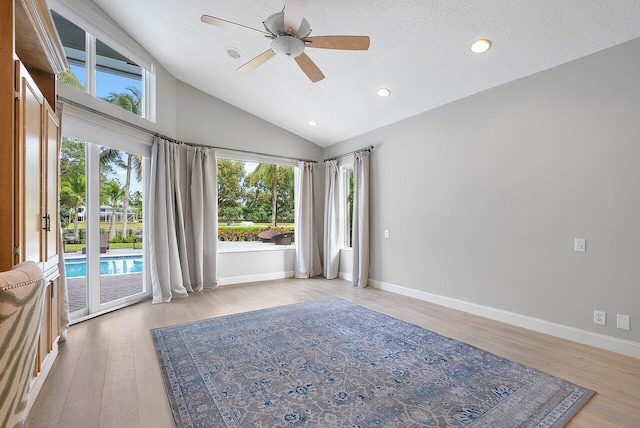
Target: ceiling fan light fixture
[[312, 123], [287, 46], [480, 46], [383, 92]]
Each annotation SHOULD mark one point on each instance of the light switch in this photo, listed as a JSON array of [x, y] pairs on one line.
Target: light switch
[[580, 245]]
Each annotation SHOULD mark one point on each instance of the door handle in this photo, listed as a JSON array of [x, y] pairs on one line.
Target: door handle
[[47, 223]]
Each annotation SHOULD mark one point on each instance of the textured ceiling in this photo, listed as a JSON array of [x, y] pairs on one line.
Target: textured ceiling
[[419, 49]]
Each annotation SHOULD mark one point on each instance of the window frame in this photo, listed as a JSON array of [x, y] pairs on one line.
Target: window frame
[[345, 169], [256, 158], [96, 27]]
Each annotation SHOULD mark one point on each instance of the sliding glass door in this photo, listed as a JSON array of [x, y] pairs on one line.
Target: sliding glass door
[[102, 195]]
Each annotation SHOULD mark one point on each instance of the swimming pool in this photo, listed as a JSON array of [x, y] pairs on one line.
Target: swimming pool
[[109, 265]]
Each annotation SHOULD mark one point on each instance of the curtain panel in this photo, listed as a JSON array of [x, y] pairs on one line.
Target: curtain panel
[[183, 220], [332, 219], [307, 257], [361, 219]]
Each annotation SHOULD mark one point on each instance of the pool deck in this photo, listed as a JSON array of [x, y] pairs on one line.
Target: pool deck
[[112, 287]]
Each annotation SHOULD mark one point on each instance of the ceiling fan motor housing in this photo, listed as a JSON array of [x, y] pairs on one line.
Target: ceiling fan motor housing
[[275, 25], [287, 46]]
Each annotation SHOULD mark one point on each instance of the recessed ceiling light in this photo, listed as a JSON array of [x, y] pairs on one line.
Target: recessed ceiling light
[[480, 46], [233, 52], [384, 92], [312, 123]]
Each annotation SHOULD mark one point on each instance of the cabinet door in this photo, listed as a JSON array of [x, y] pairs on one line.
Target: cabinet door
[[29, 130], [50, 324], [50, 187]]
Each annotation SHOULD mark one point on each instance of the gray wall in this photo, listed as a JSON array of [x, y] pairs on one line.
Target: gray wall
[[483, 197], [203, 119]]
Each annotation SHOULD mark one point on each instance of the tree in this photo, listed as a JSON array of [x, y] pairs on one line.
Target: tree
[[72, 157], [285, 199], [73, 188], [267, 174], [69, 78], [130, 100], [230, 190], [72, 182], [136, 203], [113, 194], [257, 202]]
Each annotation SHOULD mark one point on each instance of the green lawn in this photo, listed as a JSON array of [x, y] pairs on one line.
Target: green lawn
[[72, 248]]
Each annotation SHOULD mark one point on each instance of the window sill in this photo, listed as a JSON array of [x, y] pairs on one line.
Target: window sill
[[247, 247]]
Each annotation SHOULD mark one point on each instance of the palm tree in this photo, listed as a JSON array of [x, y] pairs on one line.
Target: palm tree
[[268, 174], [113, 193], [130, 101], [136, 203], [69, 78], [75, 187]]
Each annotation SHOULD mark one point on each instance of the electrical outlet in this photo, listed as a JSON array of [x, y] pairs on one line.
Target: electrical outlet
[[600, 317], [623, 322]]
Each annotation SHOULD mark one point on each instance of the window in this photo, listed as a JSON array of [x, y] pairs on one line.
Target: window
[[252, 197], [346, 185], [100, 70]]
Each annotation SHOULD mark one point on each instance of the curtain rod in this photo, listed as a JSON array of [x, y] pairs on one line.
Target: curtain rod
[[365, 149], [156, 134]]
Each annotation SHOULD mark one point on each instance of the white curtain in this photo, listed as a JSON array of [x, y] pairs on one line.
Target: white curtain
[[183, 221], [64, 291], [361, 219], [307, 258], [332, 219]]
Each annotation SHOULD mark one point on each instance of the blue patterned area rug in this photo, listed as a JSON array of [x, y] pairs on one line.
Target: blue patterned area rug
[[330, 363]]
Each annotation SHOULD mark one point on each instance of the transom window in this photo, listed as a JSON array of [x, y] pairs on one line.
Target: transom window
[[100, 70]]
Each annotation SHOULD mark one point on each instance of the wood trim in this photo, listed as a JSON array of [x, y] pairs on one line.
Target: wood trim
[[7, 123], [34, 18]]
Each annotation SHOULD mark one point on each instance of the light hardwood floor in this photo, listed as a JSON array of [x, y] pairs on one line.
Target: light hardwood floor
[[107, 374]]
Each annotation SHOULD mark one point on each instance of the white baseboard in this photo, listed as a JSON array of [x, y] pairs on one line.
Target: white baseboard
[[346, 276], [254, 278], [602, 341]]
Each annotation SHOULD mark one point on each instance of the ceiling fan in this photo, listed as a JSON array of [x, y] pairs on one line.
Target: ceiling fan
[[289, 34]]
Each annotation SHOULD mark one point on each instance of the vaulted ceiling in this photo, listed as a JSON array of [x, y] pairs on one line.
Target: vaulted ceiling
[[420, 50]]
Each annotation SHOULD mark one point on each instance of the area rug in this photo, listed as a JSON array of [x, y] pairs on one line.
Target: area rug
[[330, 363]]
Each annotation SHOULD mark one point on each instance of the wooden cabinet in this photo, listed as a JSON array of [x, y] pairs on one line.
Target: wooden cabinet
[[30, 57], [37, 232], [36, 154], [50, 328]]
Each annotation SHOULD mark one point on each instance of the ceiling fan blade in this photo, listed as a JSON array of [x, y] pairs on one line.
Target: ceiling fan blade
[[356, 43], [293, 14], [309, 67], [228, 25], [257, 61]]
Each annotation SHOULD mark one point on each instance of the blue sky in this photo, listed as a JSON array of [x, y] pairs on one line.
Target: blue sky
[[105, 82]]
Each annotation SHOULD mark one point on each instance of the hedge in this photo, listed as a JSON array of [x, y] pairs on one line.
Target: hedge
[[246, 233]]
